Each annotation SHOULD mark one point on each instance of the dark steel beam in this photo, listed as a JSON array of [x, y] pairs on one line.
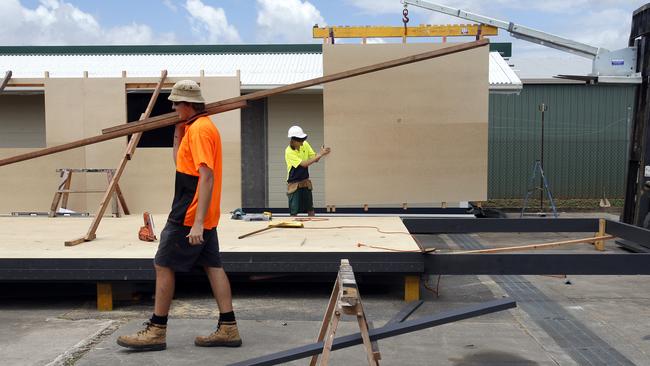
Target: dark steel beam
[[325, 263], [631, 233], [373, 210], [76, 269], [632, 246], [538, 264], [485, 225], [406, 311], [124, 269], [390, 330]]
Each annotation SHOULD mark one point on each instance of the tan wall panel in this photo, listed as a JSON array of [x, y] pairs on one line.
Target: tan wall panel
[[229, 125], [414, 134], [22, 121], [80, 107], [64, 112], [30, 185], [104, 106], [148, 180], [283, 112], [64, 122]]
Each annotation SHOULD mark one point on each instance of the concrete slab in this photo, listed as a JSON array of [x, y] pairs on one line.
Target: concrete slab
[[29, 337], [463, 343], [613, 307]]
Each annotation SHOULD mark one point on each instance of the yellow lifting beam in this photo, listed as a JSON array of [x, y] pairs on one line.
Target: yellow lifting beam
[[425, 30]]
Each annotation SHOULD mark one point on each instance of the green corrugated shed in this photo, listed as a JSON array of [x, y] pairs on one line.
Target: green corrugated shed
[[585, 139]]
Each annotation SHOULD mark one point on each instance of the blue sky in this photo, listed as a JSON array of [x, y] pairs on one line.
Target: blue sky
[[603, 23]]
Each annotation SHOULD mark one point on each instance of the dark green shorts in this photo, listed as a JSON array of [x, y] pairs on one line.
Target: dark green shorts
[[300, 201]]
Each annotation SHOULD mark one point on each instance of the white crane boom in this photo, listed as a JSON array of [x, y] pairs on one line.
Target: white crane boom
[[618, 66]]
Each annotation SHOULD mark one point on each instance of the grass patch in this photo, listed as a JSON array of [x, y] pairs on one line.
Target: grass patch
[[564, 204]]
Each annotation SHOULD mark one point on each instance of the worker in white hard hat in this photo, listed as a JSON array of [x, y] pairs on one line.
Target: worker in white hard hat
[[189, 238], [299, 155]]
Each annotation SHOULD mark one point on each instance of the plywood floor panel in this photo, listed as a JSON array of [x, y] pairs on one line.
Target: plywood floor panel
[[41, 237]]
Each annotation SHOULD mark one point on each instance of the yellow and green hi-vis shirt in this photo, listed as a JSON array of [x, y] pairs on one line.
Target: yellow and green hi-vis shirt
[[295, 172]]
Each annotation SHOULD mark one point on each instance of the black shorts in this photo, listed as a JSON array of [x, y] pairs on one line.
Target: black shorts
[[175, 251]]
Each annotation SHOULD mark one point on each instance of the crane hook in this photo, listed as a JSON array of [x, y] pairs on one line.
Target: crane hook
[[405, 18]]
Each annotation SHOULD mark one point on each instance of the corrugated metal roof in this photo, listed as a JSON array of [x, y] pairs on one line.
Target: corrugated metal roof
[[164, 49], [501, 75], [257, 69]]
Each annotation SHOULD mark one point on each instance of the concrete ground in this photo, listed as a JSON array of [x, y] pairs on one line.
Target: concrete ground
[[579, 320]]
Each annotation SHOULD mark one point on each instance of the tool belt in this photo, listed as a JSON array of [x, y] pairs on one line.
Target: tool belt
[[294, 186]]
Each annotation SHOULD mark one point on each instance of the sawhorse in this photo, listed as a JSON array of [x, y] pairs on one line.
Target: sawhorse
[[346, 299], [63, 190]]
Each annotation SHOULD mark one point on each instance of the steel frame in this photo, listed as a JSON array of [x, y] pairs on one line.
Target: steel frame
[[538, 264], [374, 210], [531, 225], [374, 263], [121, 269], [535, 263]]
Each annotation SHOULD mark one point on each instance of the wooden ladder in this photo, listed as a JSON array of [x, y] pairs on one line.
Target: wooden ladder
[[345, 299]]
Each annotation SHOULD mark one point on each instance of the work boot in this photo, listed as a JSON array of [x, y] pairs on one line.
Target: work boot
[[151, 338], [226, 335]]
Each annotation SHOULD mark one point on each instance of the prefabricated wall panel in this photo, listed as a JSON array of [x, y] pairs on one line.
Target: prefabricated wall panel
[[81, 107], [104, 105], [285, 111], [22, 120], [229, 125], [148, 180], [22, 129], [413, 134], [30, 185]]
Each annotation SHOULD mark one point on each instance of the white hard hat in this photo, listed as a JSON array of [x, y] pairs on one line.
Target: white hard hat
[[296, 131]]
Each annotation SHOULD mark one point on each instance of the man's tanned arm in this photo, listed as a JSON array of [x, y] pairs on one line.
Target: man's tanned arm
[[206, 182], [179, 131]]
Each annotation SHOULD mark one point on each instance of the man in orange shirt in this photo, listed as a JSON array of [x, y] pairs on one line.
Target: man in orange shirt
[[190, 235]]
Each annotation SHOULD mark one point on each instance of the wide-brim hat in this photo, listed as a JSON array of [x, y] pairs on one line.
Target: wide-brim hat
[[186, 91]]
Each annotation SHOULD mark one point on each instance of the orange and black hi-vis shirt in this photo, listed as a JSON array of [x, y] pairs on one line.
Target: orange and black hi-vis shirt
[[201, 145]]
